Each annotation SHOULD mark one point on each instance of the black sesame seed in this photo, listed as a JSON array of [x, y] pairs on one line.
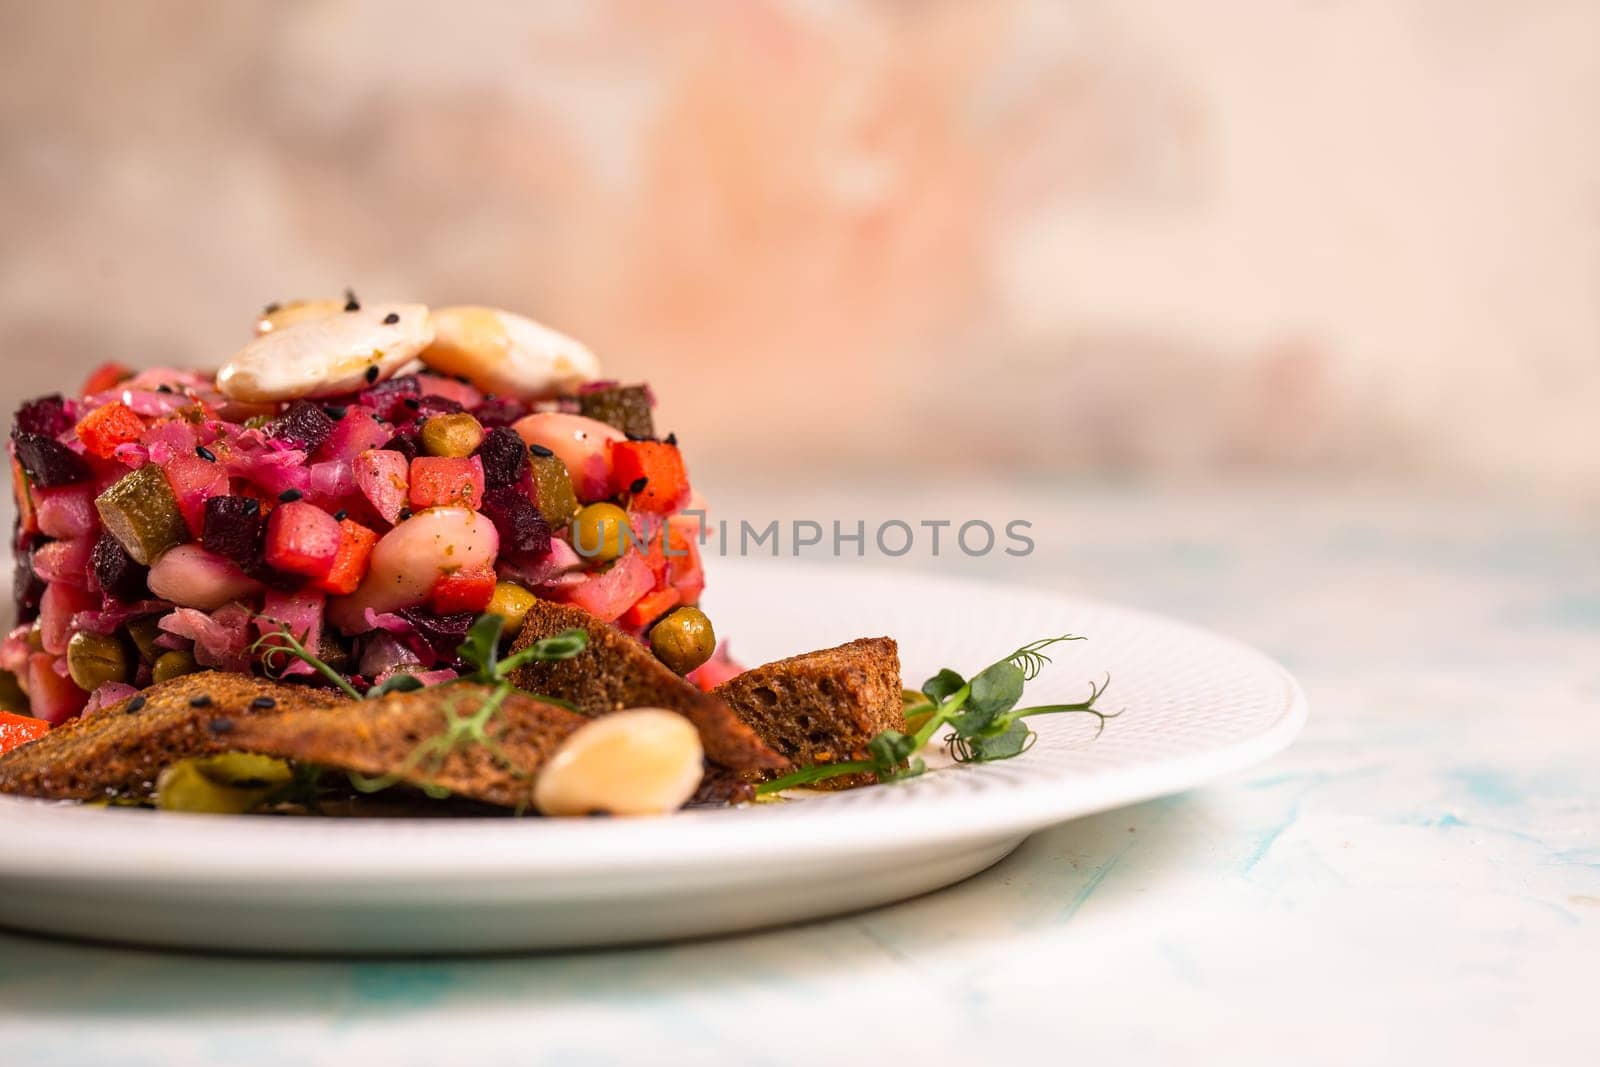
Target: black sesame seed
[[263, 703], [163, 388], [638, 484], [391, 318], [541, 451], [405, 513], [201, 701], [350, 301], [372, 373], [205, 453], [135, 705], [340, 515], [289, 496], [252, 506], [413, 403], [672, 439], [336, 412], [220, 726], [272, 308]]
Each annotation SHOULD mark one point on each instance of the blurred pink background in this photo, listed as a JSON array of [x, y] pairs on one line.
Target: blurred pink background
[[1009, 237]]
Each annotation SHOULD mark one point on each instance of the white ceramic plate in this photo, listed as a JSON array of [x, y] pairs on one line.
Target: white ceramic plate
[[1196, 706]]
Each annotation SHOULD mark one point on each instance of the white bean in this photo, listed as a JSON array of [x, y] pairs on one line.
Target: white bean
[[410, 558], [644, 761], [277, 316], [191, 577], [501, 352], [327, 356]]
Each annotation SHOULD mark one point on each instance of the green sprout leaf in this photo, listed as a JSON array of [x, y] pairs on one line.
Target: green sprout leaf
[[943, 685], [398, 683], [481, 649], [1013, 741]]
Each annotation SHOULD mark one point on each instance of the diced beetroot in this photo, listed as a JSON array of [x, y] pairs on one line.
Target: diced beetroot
[[500, 411], [351, 436], [51, 695], [27, 588], [607, 595], [67, 511], [463, 590], [116, 572], [64, 561], [504, 457], [444, 633], [305, 425], [56, 608], [438, 405], [302, 539], [384, 478], [48, 462], [524, 535], [235, 529], [450, 389], [387, 399], [194, 481], [446, 481], [407, 442], [45, 415]]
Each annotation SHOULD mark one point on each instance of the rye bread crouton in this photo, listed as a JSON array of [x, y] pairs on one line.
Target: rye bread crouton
[[119, 750], [823, 707], [616, 672], [118, 753]]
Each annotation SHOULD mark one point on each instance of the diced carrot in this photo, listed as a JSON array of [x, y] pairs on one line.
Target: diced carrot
[[17, 730], [108, 426], [106, 376], [355, 553], [446, 481], [464, 590], [302, 539], [685, 571], [648, 608], [656, 468]]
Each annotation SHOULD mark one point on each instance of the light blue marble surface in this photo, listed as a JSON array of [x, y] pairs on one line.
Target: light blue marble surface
[[1417, 880]]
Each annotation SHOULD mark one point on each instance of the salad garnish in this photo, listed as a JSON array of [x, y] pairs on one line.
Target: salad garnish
[[982, 714]]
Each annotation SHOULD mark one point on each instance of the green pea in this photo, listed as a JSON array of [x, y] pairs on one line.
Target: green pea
[[683, 640], [174, 664]]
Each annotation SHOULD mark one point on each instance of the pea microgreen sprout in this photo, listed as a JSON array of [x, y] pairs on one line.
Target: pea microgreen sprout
[[985, 723], [480, 651]]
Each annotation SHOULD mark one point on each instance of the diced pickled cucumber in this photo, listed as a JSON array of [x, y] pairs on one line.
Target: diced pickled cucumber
[[186, 786], [142, 514], [627, 407], [552, 484], [246, 770], [12, 698]]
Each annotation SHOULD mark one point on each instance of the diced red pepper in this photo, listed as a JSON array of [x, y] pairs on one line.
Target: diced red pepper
[[303, 539], [194, 481], [17, 730], [108, 426], [648, 608], [355, 553], [464, 590], [685, 572], [665, 486], [446, 481], [106, 376]]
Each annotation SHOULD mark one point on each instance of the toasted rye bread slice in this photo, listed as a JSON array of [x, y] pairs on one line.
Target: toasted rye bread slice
[[823, 707], [617, 672], [115, 753]]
